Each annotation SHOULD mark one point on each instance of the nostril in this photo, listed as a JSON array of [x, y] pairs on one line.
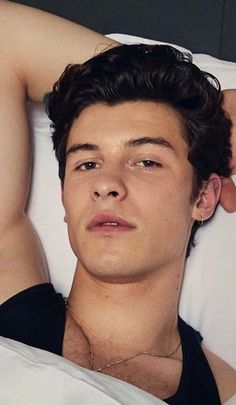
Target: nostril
[[113, 193], [104, 194]]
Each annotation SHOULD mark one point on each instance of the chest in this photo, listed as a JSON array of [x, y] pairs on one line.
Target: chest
[[160, 377]]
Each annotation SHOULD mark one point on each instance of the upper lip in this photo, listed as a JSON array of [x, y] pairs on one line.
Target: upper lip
[[102, 218]]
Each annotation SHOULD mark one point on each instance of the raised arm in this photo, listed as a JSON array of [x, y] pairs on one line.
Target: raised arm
[[35, 47]]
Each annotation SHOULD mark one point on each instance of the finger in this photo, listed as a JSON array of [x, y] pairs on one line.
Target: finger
[[228, 195]]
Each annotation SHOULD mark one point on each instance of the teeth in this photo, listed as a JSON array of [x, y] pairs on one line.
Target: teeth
[[110, 223]]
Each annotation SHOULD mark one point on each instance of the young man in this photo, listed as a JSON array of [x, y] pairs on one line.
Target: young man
[[135, 180]]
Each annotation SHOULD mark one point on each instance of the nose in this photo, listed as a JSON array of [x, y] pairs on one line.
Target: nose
[[108, 186]]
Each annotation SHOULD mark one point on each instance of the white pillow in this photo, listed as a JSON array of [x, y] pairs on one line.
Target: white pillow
[[208, 298]]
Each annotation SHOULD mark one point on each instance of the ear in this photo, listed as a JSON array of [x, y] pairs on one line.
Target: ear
[[62, 200], [208, 199]]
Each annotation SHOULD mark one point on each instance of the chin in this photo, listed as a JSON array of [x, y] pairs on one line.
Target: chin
[[116, 278], [113, 271]]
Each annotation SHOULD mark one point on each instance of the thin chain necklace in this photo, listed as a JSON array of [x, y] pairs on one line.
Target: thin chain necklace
[[136, 355], [115, 363]]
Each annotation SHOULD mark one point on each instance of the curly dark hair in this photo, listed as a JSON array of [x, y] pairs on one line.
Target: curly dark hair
[[157, 73]]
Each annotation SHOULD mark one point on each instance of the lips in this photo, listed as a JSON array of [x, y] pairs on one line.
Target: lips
[[109, 222]]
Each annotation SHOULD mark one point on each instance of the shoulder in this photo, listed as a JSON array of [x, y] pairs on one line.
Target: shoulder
[[36, 317], [224, 375]]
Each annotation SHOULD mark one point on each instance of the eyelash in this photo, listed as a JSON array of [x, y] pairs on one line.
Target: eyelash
[[79, 168], [147, 164]]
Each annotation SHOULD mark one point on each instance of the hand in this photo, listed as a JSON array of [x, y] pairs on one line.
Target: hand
[[228, 193]]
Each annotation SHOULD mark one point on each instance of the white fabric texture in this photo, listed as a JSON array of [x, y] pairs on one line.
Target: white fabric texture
[[207, 301]]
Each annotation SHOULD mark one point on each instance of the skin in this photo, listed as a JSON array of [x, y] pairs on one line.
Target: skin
[[28, 53], [141, 190]]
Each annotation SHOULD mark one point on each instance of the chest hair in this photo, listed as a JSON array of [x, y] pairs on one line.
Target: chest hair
[[158, 376]]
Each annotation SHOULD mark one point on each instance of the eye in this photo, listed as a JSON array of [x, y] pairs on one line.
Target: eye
[[148, 164], [88, 166]]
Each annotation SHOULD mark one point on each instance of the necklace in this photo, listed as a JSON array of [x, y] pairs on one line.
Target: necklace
[[136, 355], [115, 363]]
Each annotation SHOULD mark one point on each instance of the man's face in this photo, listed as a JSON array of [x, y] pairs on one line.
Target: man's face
[[127, 190]]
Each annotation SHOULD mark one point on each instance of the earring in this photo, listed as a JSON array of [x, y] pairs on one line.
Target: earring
[[217, 187], [200, 223]]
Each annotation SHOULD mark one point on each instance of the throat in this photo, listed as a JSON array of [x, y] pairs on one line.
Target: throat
[[124, 314], [92, 348]]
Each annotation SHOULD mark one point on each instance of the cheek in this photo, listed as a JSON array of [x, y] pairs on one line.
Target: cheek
[[167, 203], [74, 191]]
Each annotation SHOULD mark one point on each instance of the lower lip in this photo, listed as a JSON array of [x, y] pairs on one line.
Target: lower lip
[[108, 229]]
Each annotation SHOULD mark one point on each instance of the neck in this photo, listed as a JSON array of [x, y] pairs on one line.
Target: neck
[[144, 311]]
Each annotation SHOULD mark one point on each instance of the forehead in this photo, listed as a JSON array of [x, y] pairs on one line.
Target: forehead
[[101, 124]]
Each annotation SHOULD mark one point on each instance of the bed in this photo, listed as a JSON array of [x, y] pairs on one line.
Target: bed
[[208, 297]]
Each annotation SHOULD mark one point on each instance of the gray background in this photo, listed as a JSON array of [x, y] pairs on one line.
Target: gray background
[[203, 26]]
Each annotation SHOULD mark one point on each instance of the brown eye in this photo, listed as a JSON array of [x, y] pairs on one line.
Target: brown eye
[[148, 164], [87, 166]]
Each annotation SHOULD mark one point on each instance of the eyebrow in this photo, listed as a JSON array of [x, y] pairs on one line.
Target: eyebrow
[[131, 143], [81, 146], [160, 141]]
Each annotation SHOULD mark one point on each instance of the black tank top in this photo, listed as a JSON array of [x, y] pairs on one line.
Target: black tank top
[[37, 316]]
